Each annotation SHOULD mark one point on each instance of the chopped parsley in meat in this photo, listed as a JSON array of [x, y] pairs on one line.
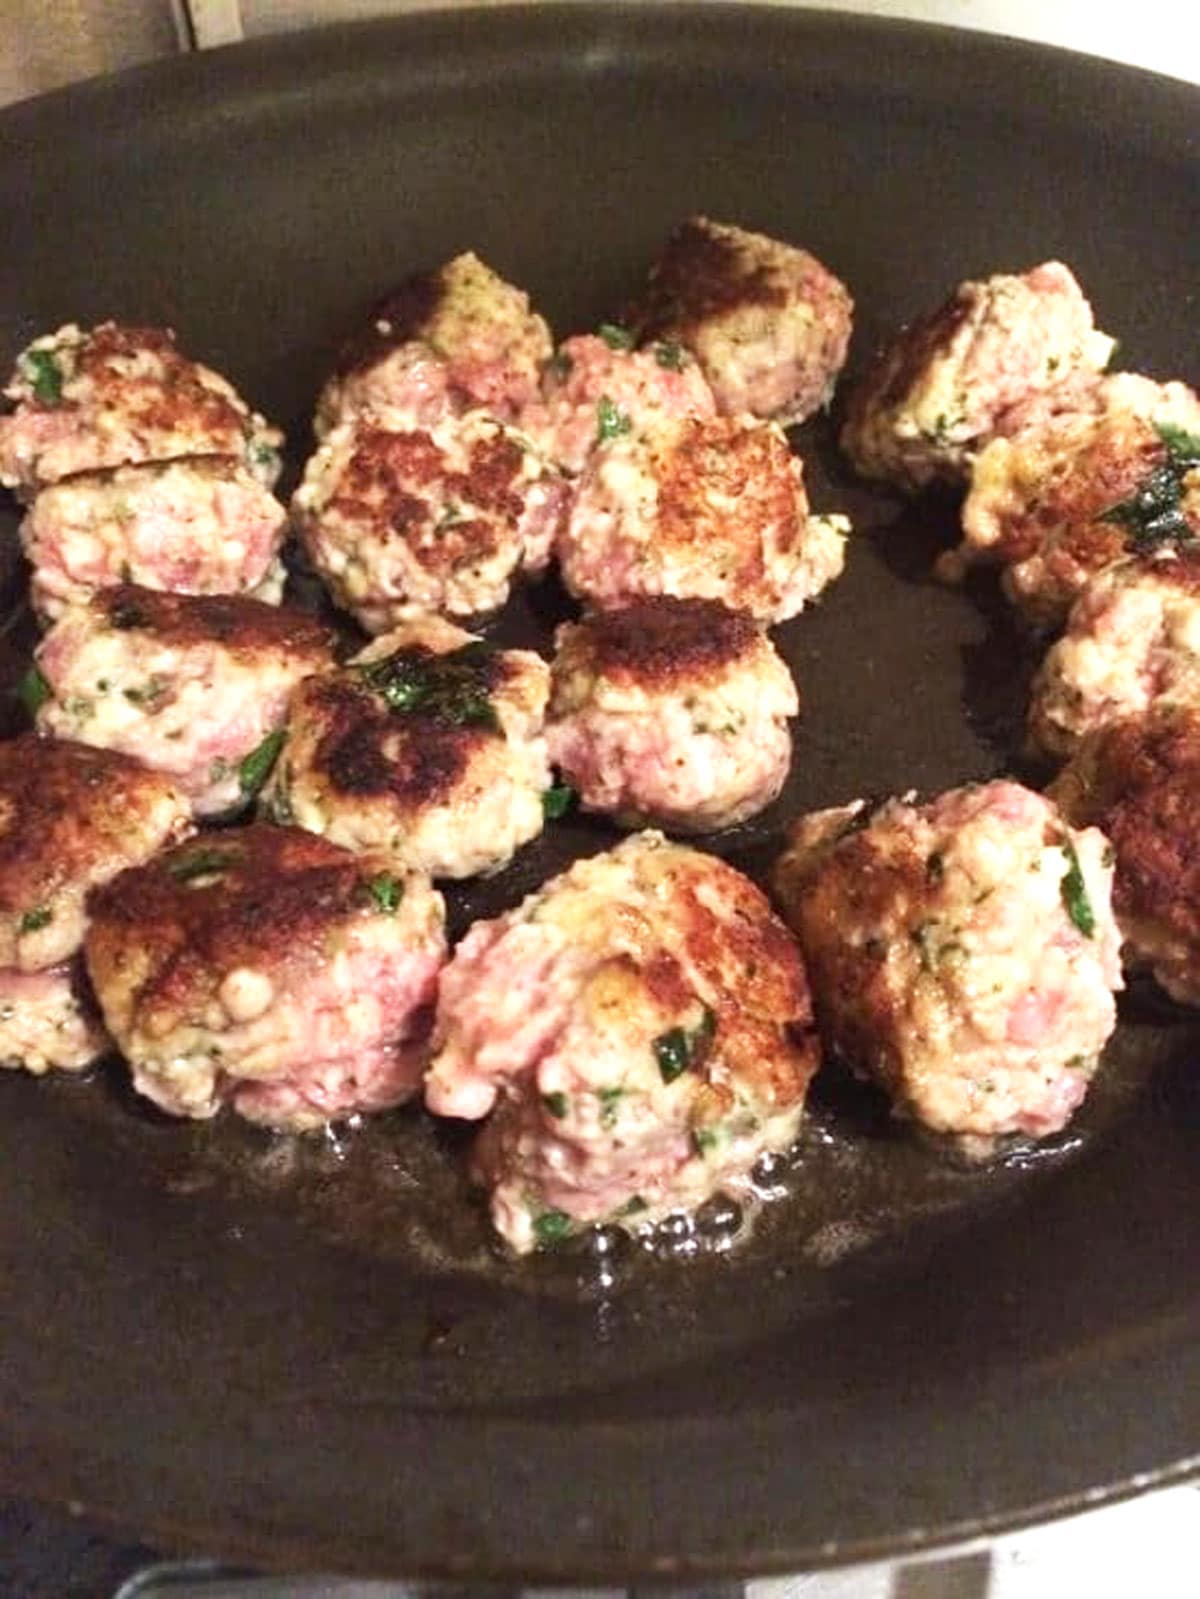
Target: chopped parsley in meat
[[681, 1048], [33, 921], [452, 689], [44, 375], [1075, 894], [557, 801], [615, 336], [1153, 514], [611, 421], [384, 892], [33, 691], [255, 767]]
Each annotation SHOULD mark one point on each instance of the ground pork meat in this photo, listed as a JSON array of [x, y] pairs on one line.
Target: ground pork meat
[[1138, 780], [671, 712], [767, 322], [427, 747], [640, 1027], [595, 382], [266, 968], [704, 508], [399, 522], [195, 686], [963, 953], [938, 392], [48, 1020], [201, 526], [86, 401], [1060, 499], [1132, 642], [449, 340]]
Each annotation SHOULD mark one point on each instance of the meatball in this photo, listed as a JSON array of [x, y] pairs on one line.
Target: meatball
[[767, 322], [194, 686], [673, 712], [641, 1025], [935, 396], [70, 818], [112, 396], [266, 968], [437, 519], [1062, 498], [201, 526], [427, 747], [449, 340], [1132, 642], [704, 508], [962, 952], [1138, 779], [594, 383]]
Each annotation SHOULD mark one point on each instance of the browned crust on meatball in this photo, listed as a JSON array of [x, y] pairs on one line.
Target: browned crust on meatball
[[406, 311], [662, 642], [62, 806], [231, 620], [751, 463], [897, 365], [260, 896], [173, 399], [701, 274]]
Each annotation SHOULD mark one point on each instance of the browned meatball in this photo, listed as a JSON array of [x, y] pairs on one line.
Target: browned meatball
[[268, 968], [1139, 779]]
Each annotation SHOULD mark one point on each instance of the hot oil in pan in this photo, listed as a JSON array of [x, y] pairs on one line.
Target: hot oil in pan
[[903, 684]]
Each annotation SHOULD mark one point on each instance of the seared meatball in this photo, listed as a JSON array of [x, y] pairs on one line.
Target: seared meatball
[[1139, 779], [448, 340], [427, 747], [1062, 498], [962, 952], [111, 396], [705, 508], [1132, 642], [767, 322], [201, 526], [437, 519], [597, 383], [194, 686], [673, 712], [642, 1027], [935, 396], [70, 818], [268, 969]]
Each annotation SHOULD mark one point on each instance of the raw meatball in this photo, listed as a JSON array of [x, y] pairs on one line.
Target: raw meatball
[[88, 401], [1059, 500], [70, 818], [642, 1027], [935, 396], [706, 508], [194, 686], [1132, 642], [202, 526], [767, 322], [1138, 779], [437, 519], [427, 747], [266, 968], [448, 340], [963, 953], [673, 712], [595, 383]]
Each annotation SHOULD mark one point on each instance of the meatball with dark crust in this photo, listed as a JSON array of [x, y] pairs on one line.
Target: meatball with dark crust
[[1139, 779], [86, 401], [699, 508], [196, 686], [70, 818], [640, 1026], [671, 712], [940, 391], [427, 747], [767, 322], [445, 341], [266, 968], [962, 952], [401, 521]]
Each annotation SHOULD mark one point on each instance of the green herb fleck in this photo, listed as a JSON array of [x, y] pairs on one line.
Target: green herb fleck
[[633, 1206], [551, 1227], [611, 422], [610, 1100], [705, 1139], [255, 767], [1153, 514], [670, 355], [1078, 1063], [556, 1104], [385, 892], [33, 921], [1074, 892], [615, 336], [561, 365], [264, 457], [681, 1048], [451, 689], [151, 690], [201, 863], [42, 372], [1183, 447], [557, 801], [33, 691]]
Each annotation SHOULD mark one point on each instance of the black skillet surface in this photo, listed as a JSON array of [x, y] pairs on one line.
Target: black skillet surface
[[309, 1355]]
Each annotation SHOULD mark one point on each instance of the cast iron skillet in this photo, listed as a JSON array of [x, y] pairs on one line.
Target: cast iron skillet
[[309, 1356]]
